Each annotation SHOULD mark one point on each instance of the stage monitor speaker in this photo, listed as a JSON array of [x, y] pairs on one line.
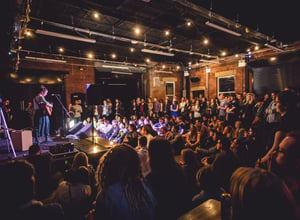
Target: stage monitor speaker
[[84, 132], [21, 139], [195, 79], [76, 128]]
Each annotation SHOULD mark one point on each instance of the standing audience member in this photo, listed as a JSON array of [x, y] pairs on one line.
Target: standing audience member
[[167, 180], [77, 111], [285, 163], [260, 195], [123, 193], [290, 119]]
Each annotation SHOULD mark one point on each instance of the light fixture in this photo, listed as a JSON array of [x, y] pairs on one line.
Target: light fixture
[[66, 36], [115, 67], [122, 73], [45, 59], [273, 47], [157, 52], [208, 23], [209, 61]]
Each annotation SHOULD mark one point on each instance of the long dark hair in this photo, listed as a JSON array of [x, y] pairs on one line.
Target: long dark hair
[[121, 164]]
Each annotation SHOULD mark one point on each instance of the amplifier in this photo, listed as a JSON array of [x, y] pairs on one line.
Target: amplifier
[[61, 148]]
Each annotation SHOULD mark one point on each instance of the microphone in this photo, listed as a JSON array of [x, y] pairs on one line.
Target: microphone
[[55, 94]]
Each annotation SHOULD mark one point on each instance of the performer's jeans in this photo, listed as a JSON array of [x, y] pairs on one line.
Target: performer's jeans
[[44, 126]]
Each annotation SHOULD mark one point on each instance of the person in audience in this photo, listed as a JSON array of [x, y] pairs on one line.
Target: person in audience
[[286, 105], [260, 195], [131, 137], [224, 163], [77, 108], [146, 131], [192, 138], [17, 189], [208, 185], [123, 192], [75, 194], [43, 180], [190, 166], [144, 155], [167, 180], [81, 159], [285, 162]]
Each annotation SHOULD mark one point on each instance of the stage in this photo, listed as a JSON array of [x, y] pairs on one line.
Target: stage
[[94, 147]]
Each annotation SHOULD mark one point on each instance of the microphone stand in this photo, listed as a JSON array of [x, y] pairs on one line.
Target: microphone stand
[[64, 110]]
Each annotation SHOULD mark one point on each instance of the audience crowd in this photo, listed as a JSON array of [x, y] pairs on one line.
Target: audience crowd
[[170, 156]]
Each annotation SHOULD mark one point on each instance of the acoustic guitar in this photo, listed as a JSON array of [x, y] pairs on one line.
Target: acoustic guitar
[[46, 109]]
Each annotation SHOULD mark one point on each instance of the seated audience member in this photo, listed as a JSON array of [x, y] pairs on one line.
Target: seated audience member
[[143, 154], [131, 137], [105, 130], [41, 165], [286, 163], [17, 189], [176, 139], [224, 163], [146, 131], [209, 186], [190, 167], [123, 193], [115, 131], [260, 195], [75, 194], [121, 134], [167, 180], [81, 159], [192, 138]]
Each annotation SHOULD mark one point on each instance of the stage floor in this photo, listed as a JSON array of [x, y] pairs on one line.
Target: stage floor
[[93, 147]]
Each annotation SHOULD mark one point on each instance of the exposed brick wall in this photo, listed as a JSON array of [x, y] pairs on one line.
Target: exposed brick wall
[[157, 78], [217, 70], [79, 74]]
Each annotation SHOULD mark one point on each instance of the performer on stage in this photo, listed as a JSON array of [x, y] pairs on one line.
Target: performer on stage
[[42, 111]]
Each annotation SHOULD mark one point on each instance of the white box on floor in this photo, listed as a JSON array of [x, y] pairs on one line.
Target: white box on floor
[[21, 139]]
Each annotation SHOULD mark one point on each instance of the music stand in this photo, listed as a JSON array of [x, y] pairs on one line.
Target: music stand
[[3, 125]]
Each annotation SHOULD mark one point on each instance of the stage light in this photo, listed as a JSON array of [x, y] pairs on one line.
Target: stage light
[[71, 123]]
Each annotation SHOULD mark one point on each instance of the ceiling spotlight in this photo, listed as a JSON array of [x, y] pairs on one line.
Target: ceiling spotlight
[[90, 55], [114, 56], [61, 50], [137, 30], [167, 33], [132, 49]]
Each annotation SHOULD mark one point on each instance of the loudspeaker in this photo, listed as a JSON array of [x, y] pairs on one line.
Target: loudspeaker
[[93, 94], [84, 132], [195, 79], [76, 128], [21, 139]]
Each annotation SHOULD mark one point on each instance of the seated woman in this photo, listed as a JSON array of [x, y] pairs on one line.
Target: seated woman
[[259, 194], [123, 193], [192, 138]]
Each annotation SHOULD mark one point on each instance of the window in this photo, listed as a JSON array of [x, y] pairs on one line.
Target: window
[[225, 85], [170, 89]]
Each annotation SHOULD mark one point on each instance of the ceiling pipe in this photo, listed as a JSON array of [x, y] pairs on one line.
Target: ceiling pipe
[[123, 39]]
